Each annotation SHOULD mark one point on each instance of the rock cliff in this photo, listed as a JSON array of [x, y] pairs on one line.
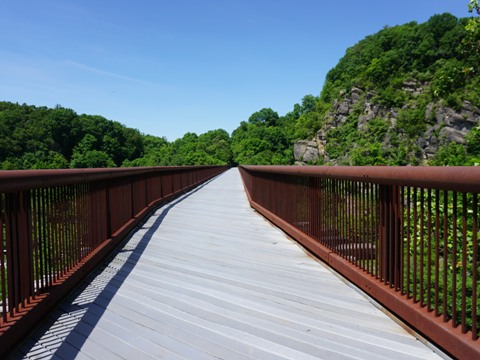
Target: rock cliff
[[443, 124]]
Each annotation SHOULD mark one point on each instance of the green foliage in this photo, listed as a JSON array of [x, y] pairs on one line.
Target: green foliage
[[383, 61], [449, 241], [265, 139], [42, 138], [412, 121], [368, 154], [473, 142], [341, 138], [91, 159], [264, 116], [449, 77], [472, 40], [211, 148], [439, 55], [451, 154]]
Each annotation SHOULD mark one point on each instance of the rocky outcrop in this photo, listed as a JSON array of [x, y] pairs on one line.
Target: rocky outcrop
[[444, 124], [448, 125], [306, 152]]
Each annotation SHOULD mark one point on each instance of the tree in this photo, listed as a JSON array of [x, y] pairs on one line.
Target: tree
[[91, 159], [216, 145], [473, 29], [265, 116], [86, 155], [450, 154], [263, 139], [474, 5]]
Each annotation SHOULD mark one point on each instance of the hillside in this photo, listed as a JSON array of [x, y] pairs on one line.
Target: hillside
[[407, 95]]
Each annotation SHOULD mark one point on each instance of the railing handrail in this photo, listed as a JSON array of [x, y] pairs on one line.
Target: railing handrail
[[457, 178], [18, 180]]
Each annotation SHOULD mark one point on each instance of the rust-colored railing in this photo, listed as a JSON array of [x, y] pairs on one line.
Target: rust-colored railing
[[56, 225], [407, 236]]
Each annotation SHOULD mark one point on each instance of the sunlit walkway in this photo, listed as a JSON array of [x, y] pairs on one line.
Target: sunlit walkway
[[208, 278]]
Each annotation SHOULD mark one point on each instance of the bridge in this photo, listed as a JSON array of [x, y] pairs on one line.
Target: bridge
[[204, 275]]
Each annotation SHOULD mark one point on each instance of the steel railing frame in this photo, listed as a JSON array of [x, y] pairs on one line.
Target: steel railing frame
[[387, 229], [56, 226]]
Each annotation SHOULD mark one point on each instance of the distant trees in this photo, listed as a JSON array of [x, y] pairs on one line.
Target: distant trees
[[262, 140], [211, 148], [41, 138], [85, 155]]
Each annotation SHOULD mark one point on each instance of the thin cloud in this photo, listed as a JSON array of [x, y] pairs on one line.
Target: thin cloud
[[112, 74]]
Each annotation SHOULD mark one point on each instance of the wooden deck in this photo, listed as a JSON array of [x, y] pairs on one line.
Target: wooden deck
[[208, 278]]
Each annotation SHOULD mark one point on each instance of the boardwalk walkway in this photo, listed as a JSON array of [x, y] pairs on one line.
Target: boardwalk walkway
[[208, 278]]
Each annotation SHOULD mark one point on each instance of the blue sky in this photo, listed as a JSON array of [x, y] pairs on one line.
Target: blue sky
[[167, 67]]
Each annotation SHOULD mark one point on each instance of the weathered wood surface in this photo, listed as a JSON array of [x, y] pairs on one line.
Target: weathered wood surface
[[208, 278]]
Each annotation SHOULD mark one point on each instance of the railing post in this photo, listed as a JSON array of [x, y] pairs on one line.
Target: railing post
[[19, 249], [390, 235]]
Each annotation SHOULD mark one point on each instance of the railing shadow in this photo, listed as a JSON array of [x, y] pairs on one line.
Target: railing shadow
[[68, 328]]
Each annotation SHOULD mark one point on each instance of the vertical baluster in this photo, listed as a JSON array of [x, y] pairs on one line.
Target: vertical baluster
[[464, 262], [3, 265], [445, 256], [454, 260], [54, 232], [429, 250], [422, 247], [475, 267], [400, 231], [378, 255], [437, 249], [363, 230], [409, 243], [35, 239], [373, 228], [69, 225], [343, 217], [415, 246], [62, 208]]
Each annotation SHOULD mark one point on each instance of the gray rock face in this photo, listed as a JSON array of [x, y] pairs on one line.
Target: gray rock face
[[306, 151], [444, 124], [448, 125], [356, 94], [453, 135]]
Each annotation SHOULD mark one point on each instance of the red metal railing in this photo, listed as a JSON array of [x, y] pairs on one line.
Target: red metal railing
[[407, 236], [56, 225]]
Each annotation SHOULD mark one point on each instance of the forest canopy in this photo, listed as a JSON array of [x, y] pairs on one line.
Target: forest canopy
[[42, 138]]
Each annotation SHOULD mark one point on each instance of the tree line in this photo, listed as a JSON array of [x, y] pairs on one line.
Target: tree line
[[43, 138]]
